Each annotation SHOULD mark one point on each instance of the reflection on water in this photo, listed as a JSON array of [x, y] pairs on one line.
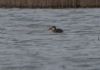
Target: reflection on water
[[25, 43]]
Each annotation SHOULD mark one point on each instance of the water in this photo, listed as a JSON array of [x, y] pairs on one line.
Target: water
[[26, 44]]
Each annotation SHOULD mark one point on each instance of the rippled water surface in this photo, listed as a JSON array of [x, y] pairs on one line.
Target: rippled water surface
[[26, 44]]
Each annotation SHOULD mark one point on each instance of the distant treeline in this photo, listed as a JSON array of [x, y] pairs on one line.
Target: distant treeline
[[49, 3]]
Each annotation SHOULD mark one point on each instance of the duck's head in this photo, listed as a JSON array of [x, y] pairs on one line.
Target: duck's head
[[52, 28]]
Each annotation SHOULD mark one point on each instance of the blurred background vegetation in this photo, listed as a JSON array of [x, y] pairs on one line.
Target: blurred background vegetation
[[49, 3]]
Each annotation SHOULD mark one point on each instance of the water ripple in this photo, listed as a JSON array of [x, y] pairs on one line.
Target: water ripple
[[26, 44]]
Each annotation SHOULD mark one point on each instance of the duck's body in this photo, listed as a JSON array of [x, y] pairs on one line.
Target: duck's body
[[55, 30]]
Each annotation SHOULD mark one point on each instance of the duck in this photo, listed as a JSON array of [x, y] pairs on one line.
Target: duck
[[55, 30]]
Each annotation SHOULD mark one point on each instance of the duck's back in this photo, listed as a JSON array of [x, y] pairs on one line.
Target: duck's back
[[58, 30]]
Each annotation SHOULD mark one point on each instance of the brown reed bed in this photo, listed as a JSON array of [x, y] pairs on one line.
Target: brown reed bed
[[49, 3]]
